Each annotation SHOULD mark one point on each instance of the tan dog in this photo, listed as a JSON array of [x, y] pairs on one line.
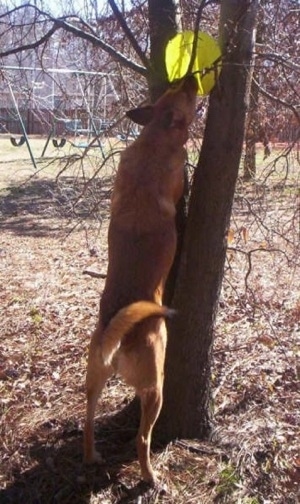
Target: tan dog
[[131, 334]]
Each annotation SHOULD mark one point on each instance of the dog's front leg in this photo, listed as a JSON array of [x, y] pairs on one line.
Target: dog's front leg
[[97, 375]]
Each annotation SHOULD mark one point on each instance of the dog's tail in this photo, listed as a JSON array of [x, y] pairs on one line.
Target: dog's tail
[[124, 321]]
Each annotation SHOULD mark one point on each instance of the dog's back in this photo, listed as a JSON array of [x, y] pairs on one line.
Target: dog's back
[[148, 185]]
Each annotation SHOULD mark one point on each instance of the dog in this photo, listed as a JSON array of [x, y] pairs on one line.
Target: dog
[[130, 337]]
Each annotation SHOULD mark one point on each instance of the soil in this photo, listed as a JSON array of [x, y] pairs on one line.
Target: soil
[[53, 259]]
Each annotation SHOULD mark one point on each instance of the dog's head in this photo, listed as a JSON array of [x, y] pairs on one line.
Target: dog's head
[[174, 110]]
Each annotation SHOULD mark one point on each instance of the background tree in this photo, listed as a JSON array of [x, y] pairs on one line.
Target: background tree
[[275, 72], [255, 127]]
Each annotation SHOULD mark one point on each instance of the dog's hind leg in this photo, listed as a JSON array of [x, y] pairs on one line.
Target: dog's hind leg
[[151, 402], [97, 374]]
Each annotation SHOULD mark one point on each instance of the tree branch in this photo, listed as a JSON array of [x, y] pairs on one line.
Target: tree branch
[[128, 32], [271, 97], [278, 58], [248, 255], [95, 40], [63, 23], [196, 32], [32, 45]]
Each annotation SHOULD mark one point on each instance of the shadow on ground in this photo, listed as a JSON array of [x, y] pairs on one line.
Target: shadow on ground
[[35, 208], [59, 475]]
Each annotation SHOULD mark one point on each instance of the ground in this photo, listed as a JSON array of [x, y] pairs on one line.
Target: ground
[[53, 238]]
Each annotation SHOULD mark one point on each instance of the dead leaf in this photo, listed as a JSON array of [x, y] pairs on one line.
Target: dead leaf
[[230, 236]]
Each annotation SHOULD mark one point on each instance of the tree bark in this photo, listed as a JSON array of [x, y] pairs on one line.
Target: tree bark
[[163, 26], [186, 410]]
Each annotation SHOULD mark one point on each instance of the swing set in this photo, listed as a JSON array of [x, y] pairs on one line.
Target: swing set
[[96, 126]]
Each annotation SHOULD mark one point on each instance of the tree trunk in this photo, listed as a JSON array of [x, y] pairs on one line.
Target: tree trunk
[[164, 21], [163, 26], [250, 136], [186, 411], [255, 129]]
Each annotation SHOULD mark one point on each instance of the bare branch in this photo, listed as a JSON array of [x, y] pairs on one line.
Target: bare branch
[[128, 32], [279, 58], [196, 31], [248, 255], [64, 23], [32, 45], [275, 99], [95, 40]]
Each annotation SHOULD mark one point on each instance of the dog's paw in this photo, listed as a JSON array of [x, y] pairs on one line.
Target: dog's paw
[[150, 480], [153, 484], [94, 458]]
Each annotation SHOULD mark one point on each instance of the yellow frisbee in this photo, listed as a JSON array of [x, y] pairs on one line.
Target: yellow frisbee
[[178, 54]]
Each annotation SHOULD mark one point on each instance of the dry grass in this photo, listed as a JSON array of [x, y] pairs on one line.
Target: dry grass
[[49, 308]]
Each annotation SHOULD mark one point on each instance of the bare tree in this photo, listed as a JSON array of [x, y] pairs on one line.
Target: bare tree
[[276, 69]]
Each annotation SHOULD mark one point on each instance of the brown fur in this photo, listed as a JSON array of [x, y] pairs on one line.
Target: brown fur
[[131, 334]]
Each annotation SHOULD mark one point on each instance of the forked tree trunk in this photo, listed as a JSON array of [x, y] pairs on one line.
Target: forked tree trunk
[[186, 410]]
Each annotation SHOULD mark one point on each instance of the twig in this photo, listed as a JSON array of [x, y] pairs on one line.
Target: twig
[[249, 257], [128, 32], [63, 23], [94, 274], [196, 32], [278, 100]]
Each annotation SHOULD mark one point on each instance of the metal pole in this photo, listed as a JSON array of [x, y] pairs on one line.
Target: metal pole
[[22, 126], [90, 116]]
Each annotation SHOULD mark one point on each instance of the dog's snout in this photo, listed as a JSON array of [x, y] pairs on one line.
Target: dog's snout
[[188, 84], [191, 84]]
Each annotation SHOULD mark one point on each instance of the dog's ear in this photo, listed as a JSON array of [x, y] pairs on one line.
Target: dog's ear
[[141, 115]]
